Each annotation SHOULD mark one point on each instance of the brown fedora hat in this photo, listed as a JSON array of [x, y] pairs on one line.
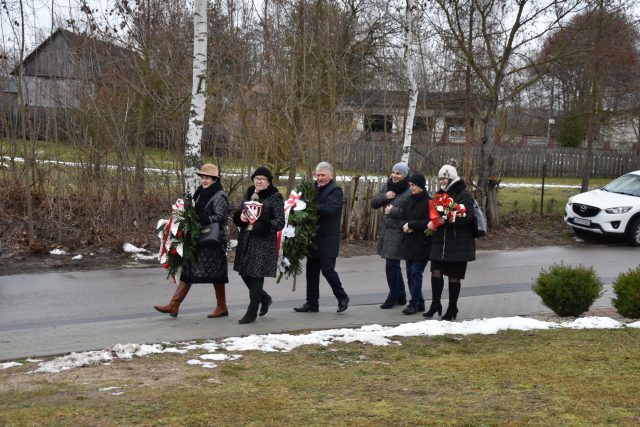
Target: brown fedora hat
[[209, 170]]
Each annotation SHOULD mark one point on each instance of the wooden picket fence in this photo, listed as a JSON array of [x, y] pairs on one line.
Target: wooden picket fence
[[377, 157]]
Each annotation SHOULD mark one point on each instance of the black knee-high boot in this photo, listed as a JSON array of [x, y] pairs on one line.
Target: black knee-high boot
[[437, 285], [255, 285], [454, 293]]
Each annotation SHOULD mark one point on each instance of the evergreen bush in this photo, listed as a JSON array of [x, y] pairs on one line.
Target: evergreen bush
[[627, 290], [566, 290]]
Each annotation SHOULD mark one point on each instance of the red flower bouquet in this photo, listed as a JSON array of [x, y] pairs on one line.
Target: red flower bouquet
[[443, 208]]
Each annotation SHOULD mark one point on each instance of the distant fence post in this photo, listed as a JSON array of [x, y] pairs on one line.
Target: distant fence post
[[544, 174]]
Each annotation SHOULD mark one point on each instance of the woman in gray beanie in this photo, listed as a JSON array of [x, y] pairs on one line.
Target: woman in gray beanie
[[392, 195]]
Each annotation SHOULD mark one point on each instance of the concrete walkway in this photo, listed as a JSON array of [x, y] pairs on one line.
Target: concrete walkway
[[57, 313]]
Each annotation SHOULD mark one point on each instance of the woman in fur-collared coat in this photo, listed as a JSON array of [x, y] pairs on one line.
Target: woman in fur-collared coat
[[452, 246], [256, 254]]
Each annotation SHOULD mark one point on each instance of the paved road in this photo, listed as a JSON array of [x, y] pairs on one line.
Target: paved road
[[55, 313]]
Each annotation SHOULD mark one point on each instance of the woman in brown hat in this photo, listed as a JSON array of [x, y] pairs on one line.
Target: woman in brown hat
[[211, 205]]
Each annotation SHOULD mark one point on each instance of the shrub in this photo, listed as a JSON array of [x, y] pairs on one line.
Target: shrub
[[568, 291], [627, 290]]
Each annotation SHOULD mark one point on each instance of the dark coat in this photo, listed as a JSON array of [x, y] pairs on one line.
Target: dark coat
[[211, 261], [256, 254], [415, 213], [326, 243], [391, 235], [454, 242]]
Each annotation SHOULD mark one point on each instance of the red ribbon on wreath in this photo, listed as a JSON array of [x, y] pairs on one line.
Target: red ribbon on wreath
[[178, 205], [167, 231]]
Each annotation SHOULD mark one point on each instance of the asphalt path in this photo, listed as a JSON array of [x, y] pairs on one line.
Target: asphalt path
[[56, 313]]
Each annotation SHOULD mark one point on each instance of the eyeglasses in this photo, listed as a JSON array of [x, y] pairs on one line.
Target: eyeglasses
[[258, 179]]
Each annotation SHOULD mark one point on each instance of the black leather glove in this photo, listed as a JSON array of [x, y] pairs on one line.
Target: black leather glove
[[204, 219]]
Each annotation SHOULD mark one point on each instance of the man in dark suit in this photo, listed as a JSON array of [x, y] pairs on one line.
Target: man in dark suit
[[326, 244]]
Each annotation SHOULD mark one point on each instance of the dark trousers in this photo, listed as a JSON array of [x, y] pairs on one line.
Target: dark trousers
[[394, 280], [414, 274], [256, 294], [327, 267]]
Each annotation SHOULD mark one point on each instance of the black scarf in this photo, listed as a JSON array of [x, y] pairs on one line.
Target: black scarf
[[261, 194], [203, 195], [399, 187]]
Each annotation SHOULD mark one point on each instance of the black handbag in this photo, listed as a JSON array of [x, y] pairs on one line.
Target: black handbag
[[209, 235]]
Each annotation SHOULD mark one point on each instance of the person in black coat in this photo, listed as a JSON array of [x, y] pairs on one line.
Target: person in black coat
[[257, 252], [416, 244], [326, 243], [452, 246]]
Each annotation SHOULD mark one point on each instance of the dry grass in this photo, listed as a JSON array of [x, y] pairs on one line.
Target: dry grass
[[560, 377]]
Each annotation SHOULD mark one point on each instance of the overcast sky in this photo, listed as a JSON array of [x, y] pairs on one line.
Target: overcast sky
[[40, 16]]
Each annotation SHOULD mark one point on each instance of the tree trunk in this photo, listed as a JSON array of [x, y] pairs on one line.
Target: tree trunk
[[138, 178], [413, 86], [22, 103], [486, 181], [193, 145], [593, 128], [467, 161]]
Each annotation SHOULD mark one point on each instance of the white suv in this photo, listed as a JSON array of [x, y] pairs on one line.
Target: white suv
[[611, 210]]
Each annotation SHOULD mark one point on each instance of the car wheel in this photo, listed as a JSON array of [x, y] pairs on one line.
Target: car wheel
[[633, 233]]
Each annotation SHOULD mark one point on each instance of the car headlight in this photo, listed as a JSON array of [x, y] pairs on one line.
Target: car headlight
[[618, 210]]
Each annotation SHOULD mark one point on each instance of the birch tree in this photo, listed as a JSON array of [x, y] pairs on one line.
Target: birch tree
[[193, 143], [410, 13]]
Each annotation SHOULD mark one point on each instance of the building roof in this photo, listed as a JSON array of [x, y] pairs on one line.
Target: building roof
[[94, 50]]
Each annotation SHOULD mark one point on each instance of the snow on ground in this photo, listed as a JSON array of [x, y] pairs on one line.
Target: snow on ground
[[8, 365], [368, 334], [139, 254]]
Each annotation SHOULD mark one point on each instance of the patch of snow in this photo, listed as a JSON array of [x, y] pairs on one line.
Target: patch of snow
[[197, 362], [77, 257], [8, 365], [143, 257], [128, 351], [129, 248], [592, 323], [208, 346], [109, 388], [218, 357], [75, 360], [57, 252], [368, 334]]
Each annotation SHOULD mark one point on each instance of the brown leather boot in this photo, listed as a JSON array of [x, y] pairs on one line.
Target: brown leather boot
[[221, 306], [174, 304]]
